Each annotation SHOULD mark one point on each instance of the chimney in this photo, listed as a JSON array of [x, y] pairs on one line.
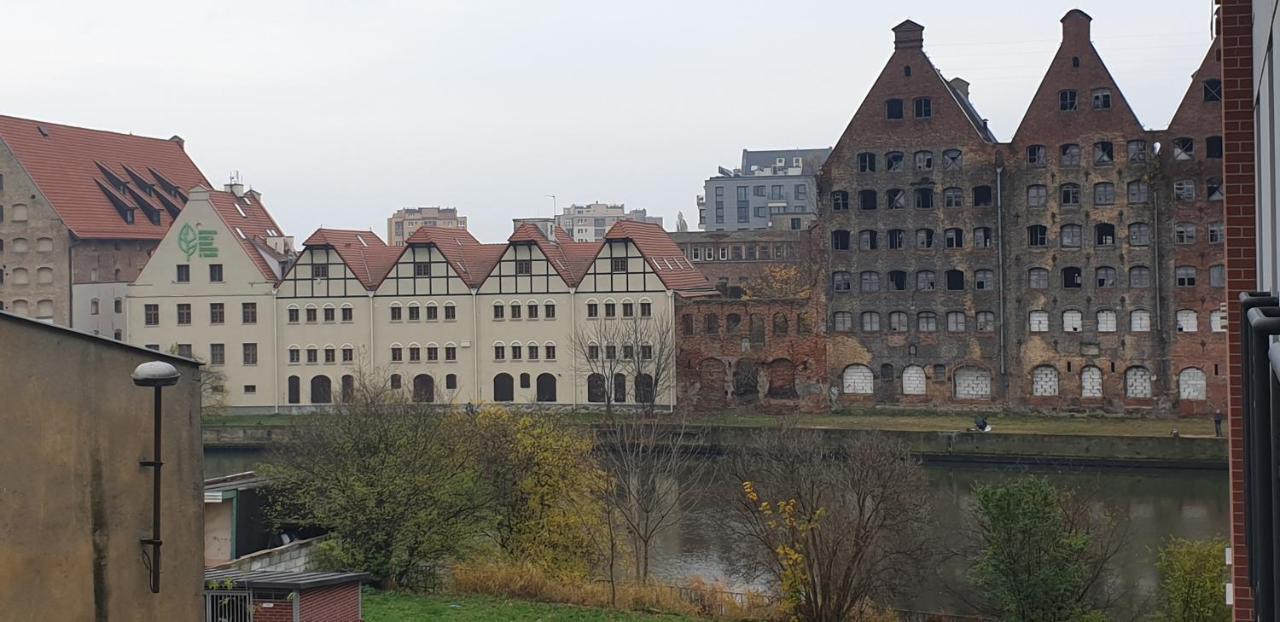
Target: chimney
[[1075, 26], [182, 144], [236, 187], [908, 36], [961, 86]]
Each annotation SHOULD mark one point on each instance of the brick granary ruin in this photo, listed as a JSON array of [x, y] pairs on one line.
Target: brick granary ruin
[[1078, 266]]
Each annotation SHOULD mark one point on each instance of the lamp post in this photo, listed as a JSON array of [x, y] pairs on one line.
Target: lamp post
[[155, 374], [554, 207]]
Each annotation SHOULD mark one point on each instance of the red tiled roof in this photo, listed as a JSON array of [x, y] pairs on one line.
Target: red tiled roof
[[529, 233], [366, 255], [675, 270], [89, 175], [249, 221], [468, 257]]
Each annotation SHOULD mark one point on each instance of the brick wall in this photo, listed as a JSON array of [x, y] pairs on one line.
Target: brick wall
[[1236, 33], [335, 603], [272, 610]]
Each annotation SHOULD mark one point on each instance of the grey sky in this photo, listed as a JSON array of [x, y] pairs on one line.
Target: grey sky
[[340, 113]]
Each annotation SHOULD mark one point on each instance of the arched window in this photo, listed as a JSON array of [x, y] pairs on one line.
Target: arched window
[[913, 380], [1191, 384], [348, 388], [1072, 321], [1038, 278], [619, 388], [840, 240], [504, 389], [424, 388], [546, 388], [982, 237], [840, 200], [711, 324], [321, 390], [1106, 321], [1139, 277], [1137, 383], [1044, 381], [1187, 321], [868, 240], [1090, 382], [295, 390], [1140, 321], [1069, 195], [1071, 278], [595, 389], [841, 281], [1037, 196], [644, 389], [842, 321], [858, 380], [780, 324], [93, 305], [924, 162], [898, 322], [927, 322], [953, 238], [869, 281], [953, 197], [926, 280], [1105, 276], [897, 280], [1104, 234], [1070, 236], [924, 198]]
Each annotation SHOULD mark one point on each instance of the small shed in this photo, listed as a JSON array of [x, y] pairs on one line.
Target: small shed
[[264, 596]]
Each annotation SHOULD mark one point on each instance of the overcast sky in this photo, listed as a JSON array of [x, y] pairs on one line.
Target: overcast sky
[[340, 114]]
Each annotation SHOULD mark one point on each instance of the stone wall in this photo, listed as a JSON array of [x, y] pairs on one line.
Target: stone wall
[[292, 557]]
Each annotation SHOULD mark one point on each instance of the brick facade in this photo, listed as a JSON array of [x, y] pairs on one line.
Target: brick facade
[[335, 603], [732, 260]]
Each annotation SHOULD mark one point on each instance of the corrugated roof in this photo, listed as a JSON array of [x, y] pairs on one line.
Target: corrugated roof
[[90, 176], [272, 580], [366, 255], [249, 221]]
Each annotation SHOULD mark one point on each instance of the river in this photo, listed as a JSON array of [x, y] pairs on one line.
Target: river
[[1157, 504]]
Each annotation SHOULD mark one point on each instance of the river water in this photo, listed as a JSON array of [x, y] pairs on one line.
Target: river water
[[1155, 503]]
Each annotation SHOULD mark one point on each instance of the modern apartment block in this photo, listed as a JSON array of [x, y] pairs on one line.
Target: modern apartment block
[[80, 212], [402, 224], [444, 317], [590, 222], [772, 189], [1073, 267]]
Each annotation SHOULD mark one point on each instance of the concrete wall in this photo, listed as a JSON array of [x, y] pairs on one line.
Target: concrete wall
[[77, 501], [218, 519]]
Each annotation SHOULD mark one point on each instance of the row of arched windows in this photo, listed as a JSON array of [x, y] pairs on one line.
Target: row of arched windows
[[504, 387], [44, 308], [922, 198], [21, 276], [897, 239], [1108, 277], [781, 324], [925, 322], [899, 281], [23, 245], [968, 382], [1192, 383], [320, 388], [599, 391]]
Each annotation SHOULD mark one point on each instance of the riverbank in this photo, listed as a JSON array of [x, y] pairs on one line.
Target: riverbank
[[1030, 439]]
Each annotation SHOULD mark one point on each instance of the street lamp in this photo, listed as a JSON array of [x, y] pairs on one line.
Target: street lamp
[[156, 374], [554, 207]]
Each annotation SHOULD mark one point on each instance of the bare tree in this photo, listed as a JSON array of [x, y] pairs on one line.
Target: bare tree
[[598, 343], [839, 524]]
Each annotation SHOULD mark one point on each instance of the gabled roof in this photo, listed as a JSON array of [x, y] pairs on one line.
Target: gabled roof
[[470, 260], [250, 223], [1194, 111], [666, 259], [92, 177], [529, 233], [366, 255]]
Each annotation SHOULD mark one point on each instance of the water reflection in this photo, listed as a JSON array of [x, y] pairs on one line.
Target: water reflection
[[1156, 503]]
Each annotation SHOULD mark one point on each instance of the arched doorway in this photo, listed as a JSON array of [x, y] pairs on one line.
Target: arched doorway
[[348, 388], [321, 390], [295, 390], [546, 388], [644, 389], [782, 379], [424, 388], [619, 388], [503, 388], [595, 389], [711, 374]]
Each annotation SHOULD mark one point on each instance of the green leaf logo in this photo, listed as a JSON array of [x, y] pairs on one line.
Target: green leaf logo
[[187, 241]]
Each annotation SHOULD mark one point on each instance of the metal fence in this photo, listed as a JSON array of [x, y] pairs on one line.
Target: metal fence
[[228, 606], [1260, 362]]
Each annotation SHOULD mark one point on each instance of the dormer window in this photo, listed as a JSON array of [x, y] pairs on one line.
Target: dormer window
[[1213, 90], [1067, 100], [924, 107], [893, 109], [1101, 99]]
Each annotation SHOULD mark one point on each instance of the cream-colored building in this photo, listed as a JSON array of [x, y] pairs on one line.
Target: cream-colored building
[[402, 223], [444, 317]]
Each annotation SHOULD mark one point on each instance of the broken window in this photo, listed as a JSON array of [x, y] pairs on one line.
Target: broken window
[[1216, 233], [984, 279], [1070, 155], [927, 322], [732, 322], [982, 196], [982, 237], [869, 281], [898, 322], [1104, 234], [1185, 276], [1184, 233], [842, 321], [925, 280], [841, 281], [955, 280], [897, 280], [1184, 149], [780, 324], [1213, 147], [1184, 190], [1213, 90], [1139, 277], [953, 197], [924, 108], [955, 321], [924, 238], [1103, 154], [867, 199], [895, 199], [1071, 278], [1213, 189], [711, 325], [1067, 100], [1037, 235], [1104, 193], [840, 240], [1038, 321], [1037, 156], [870, 322], [953, 238], [924, 198], [951, 160], [1137, 151], [986, 321], [1037, 196], [1038, 278], [1105, 276], [1101, 99], [839, 200], [893, 109], [1071, 236], [893, 161], [866, 163], [896, 239], [924, 160], [1069, 195], [1072, 321], [1138, 192], [1139, 234], [1187, 321], [868, 240]]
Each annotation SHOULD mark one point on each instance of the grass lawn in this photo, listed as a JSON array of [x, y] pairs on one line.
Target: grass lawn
[[400, 607]]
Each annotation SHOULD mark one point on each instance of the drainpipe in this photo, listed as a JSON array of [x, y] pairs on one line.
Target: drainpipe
[[475, 342], [675, 353], [275, 352], [1000, 266], [573, 346], [372, 323]]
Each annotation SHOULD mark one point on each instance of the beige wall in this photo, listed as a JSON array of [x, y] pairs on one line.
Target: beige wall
[[75, 428], [100, 319], [217, 531]]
